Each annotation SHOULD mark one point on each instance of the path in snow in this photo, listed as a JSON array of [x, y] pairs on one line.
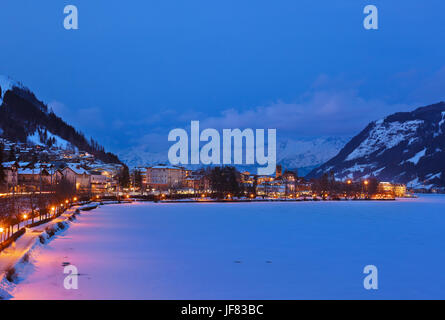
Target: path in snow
[[11, 255]]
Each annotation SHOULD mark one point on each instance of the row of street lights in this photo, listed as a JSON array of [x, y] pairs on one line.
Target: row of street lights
[[25, 218]]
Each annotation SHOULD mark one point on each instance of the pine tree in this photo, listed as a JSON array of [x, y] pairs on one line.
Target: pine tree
[[124, 177], [137, 178]]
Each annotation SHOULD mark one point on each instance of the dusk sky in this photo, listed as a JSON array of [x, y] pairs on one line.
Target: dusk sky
[[135, 70]]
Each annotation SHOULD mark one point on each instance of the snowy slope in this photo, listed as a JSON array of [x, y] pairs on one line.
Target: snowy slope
[[140, 156], [385, 136], [300, 153], [38, 139], [406, 147]]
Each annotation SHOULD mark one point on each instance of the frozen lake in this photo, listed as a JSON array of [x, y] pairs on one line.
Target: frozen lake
[[304, 250]]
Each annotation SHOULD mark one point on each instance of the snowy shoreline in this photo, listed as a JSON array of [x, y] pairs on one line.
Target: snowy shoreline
[[25, 244], [262, 200], [15, 258]]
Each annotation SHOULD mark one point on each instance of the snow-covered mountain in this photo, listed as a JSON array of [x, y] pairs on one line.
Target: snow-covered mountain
[[307, 154], [302, 154], [25, 119], [140, 156], [7, 84], [406, 147]]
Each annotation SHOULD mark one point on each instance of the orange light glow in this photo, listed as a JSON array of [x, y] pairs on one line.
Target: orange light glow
[[25, 216], [1, 230], [366, 182]]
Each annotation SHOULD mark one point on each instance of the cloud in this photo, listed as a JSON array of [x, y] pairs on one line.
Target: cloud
[[320, 112], [329, 108], [332, 107]]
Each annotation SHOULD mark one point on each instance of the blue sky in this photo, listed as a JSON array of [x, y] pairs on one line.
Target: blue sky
[[135, 70]]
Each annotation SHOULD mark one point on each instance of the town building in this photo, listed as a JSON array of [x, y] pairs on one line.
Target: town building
[[163, 177], [78, 176], [396, 190]]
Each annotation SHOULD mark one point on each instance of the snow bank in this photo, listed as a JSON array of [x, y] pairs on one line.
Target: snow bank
[[15, 261]]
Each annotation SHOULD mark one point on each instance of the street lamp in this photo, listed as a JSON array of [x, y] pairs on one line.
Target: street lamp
[[1, 234], [365, 184], [25, 217]]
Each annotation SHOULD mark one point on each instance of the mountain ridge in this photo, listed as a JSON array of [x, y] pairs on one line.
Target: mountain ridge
[[404, 147], [301, 154], [26, 119]]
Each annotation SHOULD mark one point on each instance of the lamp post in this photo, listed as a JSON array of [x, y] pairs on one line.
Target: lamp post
[[348, 189], [365, 184]]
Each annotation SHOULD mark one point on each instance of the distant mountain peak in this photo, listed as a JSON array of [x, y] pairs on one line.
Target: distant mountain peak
[[301, 154], [6, 84]]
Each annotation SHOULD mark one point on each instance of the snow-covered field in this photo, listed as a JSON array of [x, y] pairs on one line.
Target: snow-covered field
[[305, 250]]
